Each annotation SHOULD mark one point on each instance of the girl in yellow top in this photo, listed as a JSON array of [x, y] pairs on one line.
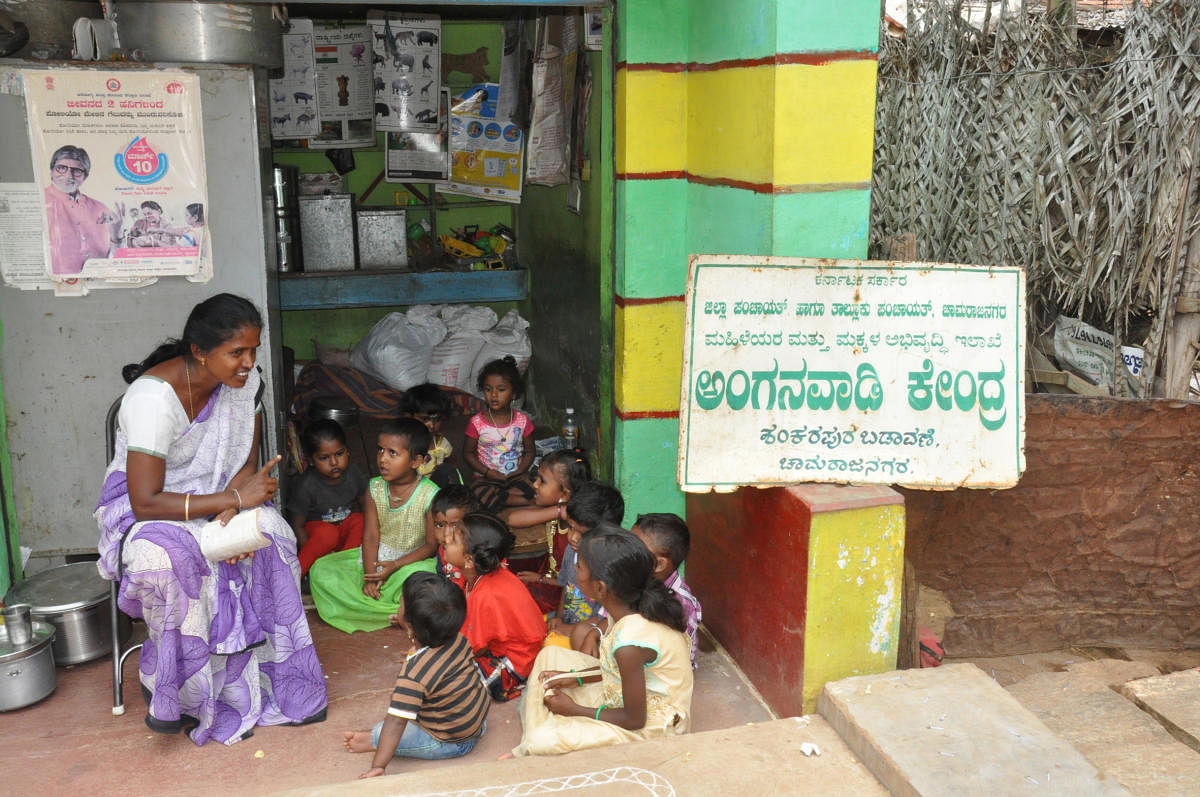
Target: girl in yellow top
[[359, 589], [640, 687]]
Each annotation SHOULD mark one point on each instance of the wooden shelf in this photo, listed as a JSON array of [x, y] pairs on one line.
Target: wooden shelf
[[378, 288]]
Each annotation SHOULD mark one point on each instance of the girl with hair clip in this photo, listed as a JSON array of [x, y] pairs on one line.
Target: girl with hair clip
[[504, 626], [640, 687], [559, 475]]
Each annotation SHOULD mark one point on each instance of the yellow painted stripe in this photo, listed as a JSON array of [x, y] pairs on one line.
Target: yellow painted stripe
[[650, 121], [649, 356], [855, 580], [784, 126], [824, 122], [731, 124]]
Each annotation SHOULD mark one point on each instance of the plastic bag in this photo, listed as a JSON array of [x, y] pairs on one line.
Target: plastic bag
[[453, 358], [465, 317], [507, 338], [398, 349]]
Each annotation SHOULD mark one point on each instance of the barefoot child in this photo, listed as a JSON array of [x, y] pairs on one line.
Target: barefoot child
[[439, 706], [358, 590], [427, 404], [496, 448], [504, 626], [592, 504], [641, 685], [668, 540], [324, 506]]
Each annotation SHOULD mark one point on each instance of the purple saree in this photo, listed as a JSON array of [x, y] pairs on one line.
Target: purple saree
[[229, 646]]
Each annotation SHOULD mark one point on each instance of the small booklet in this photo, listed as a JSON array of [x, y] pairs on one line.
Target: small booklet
[[241, 535]]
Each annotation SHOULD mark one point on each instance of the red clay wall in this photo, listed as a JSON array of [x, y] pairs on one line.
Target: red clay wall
[[1099, 544]]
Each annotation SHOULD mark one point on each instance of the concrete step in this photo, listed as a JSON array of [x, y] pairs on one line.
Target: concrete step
[[761, 758], [952, 730], [1174, 700], [1082, 706]]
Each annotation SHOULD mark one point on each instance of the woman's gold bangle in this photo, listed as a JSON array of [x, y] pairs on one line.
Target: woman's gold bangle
[[187, 500]]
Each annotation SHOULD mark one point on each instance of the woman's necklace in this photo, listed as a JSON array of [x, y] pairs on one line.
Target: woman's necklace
[[187, 374]]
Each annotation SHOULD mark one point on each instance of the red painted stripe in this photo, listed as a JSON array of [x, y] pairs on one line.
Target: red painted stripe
[[803, 59], [638, 416], [677, 175], [633, 301], [762, 188]]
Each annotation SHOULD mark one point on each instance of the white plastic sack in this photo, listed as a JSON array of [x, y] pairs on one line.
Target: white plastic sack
[[507, 338], [465, 317], [398, 349], [453, 358]]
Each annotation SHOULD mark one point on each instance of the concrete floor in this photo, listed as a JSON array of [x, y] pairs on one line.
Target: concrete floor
[[70, 743]]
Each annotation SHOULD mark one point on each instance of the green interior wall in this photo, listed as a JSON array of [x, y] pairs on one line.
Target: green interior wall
[[570, 303]]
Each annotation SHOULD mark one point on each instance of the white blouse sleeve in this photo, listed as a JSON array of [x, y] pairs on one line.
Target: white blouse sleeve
[[151, 416]]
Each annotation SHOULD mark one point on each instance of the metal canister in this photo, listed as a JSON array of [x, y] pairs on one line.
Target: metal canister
[[27, 671], [74, 599], [285, 182]]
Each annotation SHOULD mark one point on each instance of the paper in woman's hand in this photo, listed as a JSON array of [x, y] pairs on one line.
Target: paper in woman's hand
[[240, 535]]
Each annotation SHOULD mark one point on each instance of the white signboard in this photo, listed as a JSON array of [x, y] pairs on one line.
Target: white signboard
[[849, 371]]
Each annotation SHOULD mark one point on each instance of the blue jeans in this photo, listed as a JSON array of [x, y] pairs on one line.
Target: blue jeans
[[416, 743]]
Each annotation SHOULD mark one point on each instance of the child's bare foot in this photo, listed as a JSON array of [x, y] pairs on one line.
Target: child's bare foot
[[357, 741]]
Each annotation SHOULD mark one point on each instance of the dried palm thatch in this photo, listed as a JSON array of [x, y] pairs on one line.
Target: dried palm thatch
[[1020, 146]]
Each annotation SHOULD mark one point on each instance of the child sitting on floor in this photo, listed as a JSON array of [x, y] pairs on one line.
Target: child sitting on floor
[[504, 626], [667, 538], [324, 506], [559, 475], [439, 706], [449, 507], [497, 451], [641, 685], [429, 405], [358, 590], [592, 504]]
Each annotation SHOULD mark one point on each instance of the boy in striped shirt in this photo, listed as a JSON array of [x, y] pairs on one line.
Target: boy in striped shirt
[[439, 704]]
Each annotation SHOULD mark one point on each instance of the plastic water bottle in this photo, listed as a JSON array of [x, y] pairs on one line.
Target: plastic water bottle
[[570, 432]]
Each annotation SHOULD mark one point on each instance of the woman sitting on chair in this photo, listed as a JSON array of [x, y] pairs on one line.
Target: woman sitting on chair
[[229, 646]]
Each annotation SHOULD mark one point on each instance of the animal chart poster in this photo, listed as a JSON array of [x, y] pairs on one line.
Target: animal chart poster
[[293, 108], [407, 71], [119, 159], [851, 371], [420, 157]]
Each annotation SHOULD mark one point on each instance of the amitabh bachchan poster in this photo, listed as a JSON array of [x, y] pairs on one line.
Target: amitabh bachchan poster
[[119, 158]]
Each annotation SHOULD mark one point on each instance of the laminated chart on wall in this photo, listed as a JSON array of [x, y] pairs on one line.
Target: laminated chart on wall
[[847, 371], [119, 158], [406, 64], [293, 96], [485, 158], [420, 157], [345, 87]]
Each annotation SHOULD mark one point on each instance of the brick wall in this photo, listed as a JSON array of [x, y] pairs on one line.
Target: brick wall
[[1099, 544]]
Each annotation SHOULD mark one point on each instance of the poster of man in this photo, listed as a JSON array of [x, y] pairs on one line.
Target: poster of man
[[120, 160]]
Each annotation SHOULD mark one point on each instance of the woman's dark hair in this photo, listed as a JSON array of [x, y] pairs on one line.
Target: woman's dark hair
[[425, 399], [626, 566], [212, 322], [416, 434], [506, 368], [152, 205], [197, 211], [488, 541], [668, 530], [454, 496], [594, 503], [434, 608], [571, 467], [318, 432]]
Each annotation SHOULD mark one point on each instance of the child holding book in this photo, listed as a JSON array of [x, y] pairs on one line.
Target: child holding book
[[640, 687], [359, 589], [324, 503], [439, 706], [504, 625]]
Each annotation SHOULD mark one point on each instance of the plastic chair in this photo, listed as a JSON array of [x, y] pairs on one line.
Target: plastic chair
[[119, 656]]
